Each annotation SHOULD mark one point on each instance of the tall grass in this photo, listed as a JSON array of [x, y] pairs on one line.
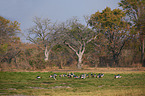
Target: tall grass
[[25, 83]]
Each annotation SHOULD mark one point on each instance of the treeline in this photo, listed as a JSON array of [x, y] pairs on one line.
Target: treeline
[[111, 38]]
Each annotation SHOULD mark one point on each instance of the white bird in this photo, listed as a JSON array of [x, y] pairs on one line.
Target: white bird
[[38, 77], [117, 76]]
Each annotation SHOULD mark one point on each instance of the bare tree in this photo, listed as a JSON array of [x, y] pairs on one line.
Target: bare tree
[[76, 37], [44, 35]]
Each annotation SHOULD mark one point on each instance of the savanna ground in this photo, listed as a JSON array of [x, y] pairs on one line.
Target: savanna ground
[[132, 83]]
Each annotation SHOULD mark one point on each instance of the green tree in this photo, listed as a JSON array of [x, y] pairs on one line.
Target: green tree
[[135, 9], [112, 25], [61, 55], [8, 40]]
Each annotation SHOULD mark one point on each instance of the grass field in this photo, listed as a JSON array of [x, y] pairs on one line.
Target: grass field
[[132, 83]]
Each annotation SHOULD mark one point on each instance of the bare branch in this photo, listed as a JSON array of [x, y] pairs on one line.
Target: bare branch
[[91, 39], [71, 47], [84, 47]]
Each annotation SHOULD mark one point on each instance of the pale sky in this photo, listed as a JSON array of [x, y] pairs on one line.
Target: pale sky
[[23, 11]]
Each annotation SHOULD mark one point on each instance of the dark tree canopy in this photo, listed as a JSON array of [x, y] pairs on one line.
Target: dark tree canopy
[[112, 25], [8, 40], [135, 9]]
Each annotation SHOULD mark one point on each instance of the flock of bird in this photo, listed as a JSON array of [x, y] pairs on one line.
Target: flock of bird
[[82, 76]]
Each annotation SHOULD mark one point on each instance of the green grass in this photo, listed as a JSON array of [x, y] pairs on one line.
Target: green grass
[[25, 83]]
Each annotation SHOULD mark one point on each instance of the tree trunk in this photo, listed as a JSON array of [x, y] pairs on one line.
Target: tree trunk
[[142, 53], [61, 64], [115, 59], [79, 54], [79, 65], [47, 54], [61, 61]]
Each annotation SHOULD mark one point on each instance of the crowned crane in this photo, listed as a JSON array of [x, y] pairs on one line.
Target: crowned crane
[[100, 75], [117, 76], [83, 76], [53, 76], [87, 75]]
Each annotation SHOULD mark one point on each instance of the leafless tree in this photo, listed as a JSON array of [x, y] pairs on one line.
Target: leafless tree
[[76, 36]]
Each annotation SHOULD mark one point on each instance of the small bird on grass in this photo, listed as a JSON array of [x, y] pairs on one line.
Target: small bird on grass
[[63, 75], [87, 75], [117, 76], [77, 77], [53, 76], [83, 76], [95, 75], [100, 75], [38, 77], [92, 75]]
